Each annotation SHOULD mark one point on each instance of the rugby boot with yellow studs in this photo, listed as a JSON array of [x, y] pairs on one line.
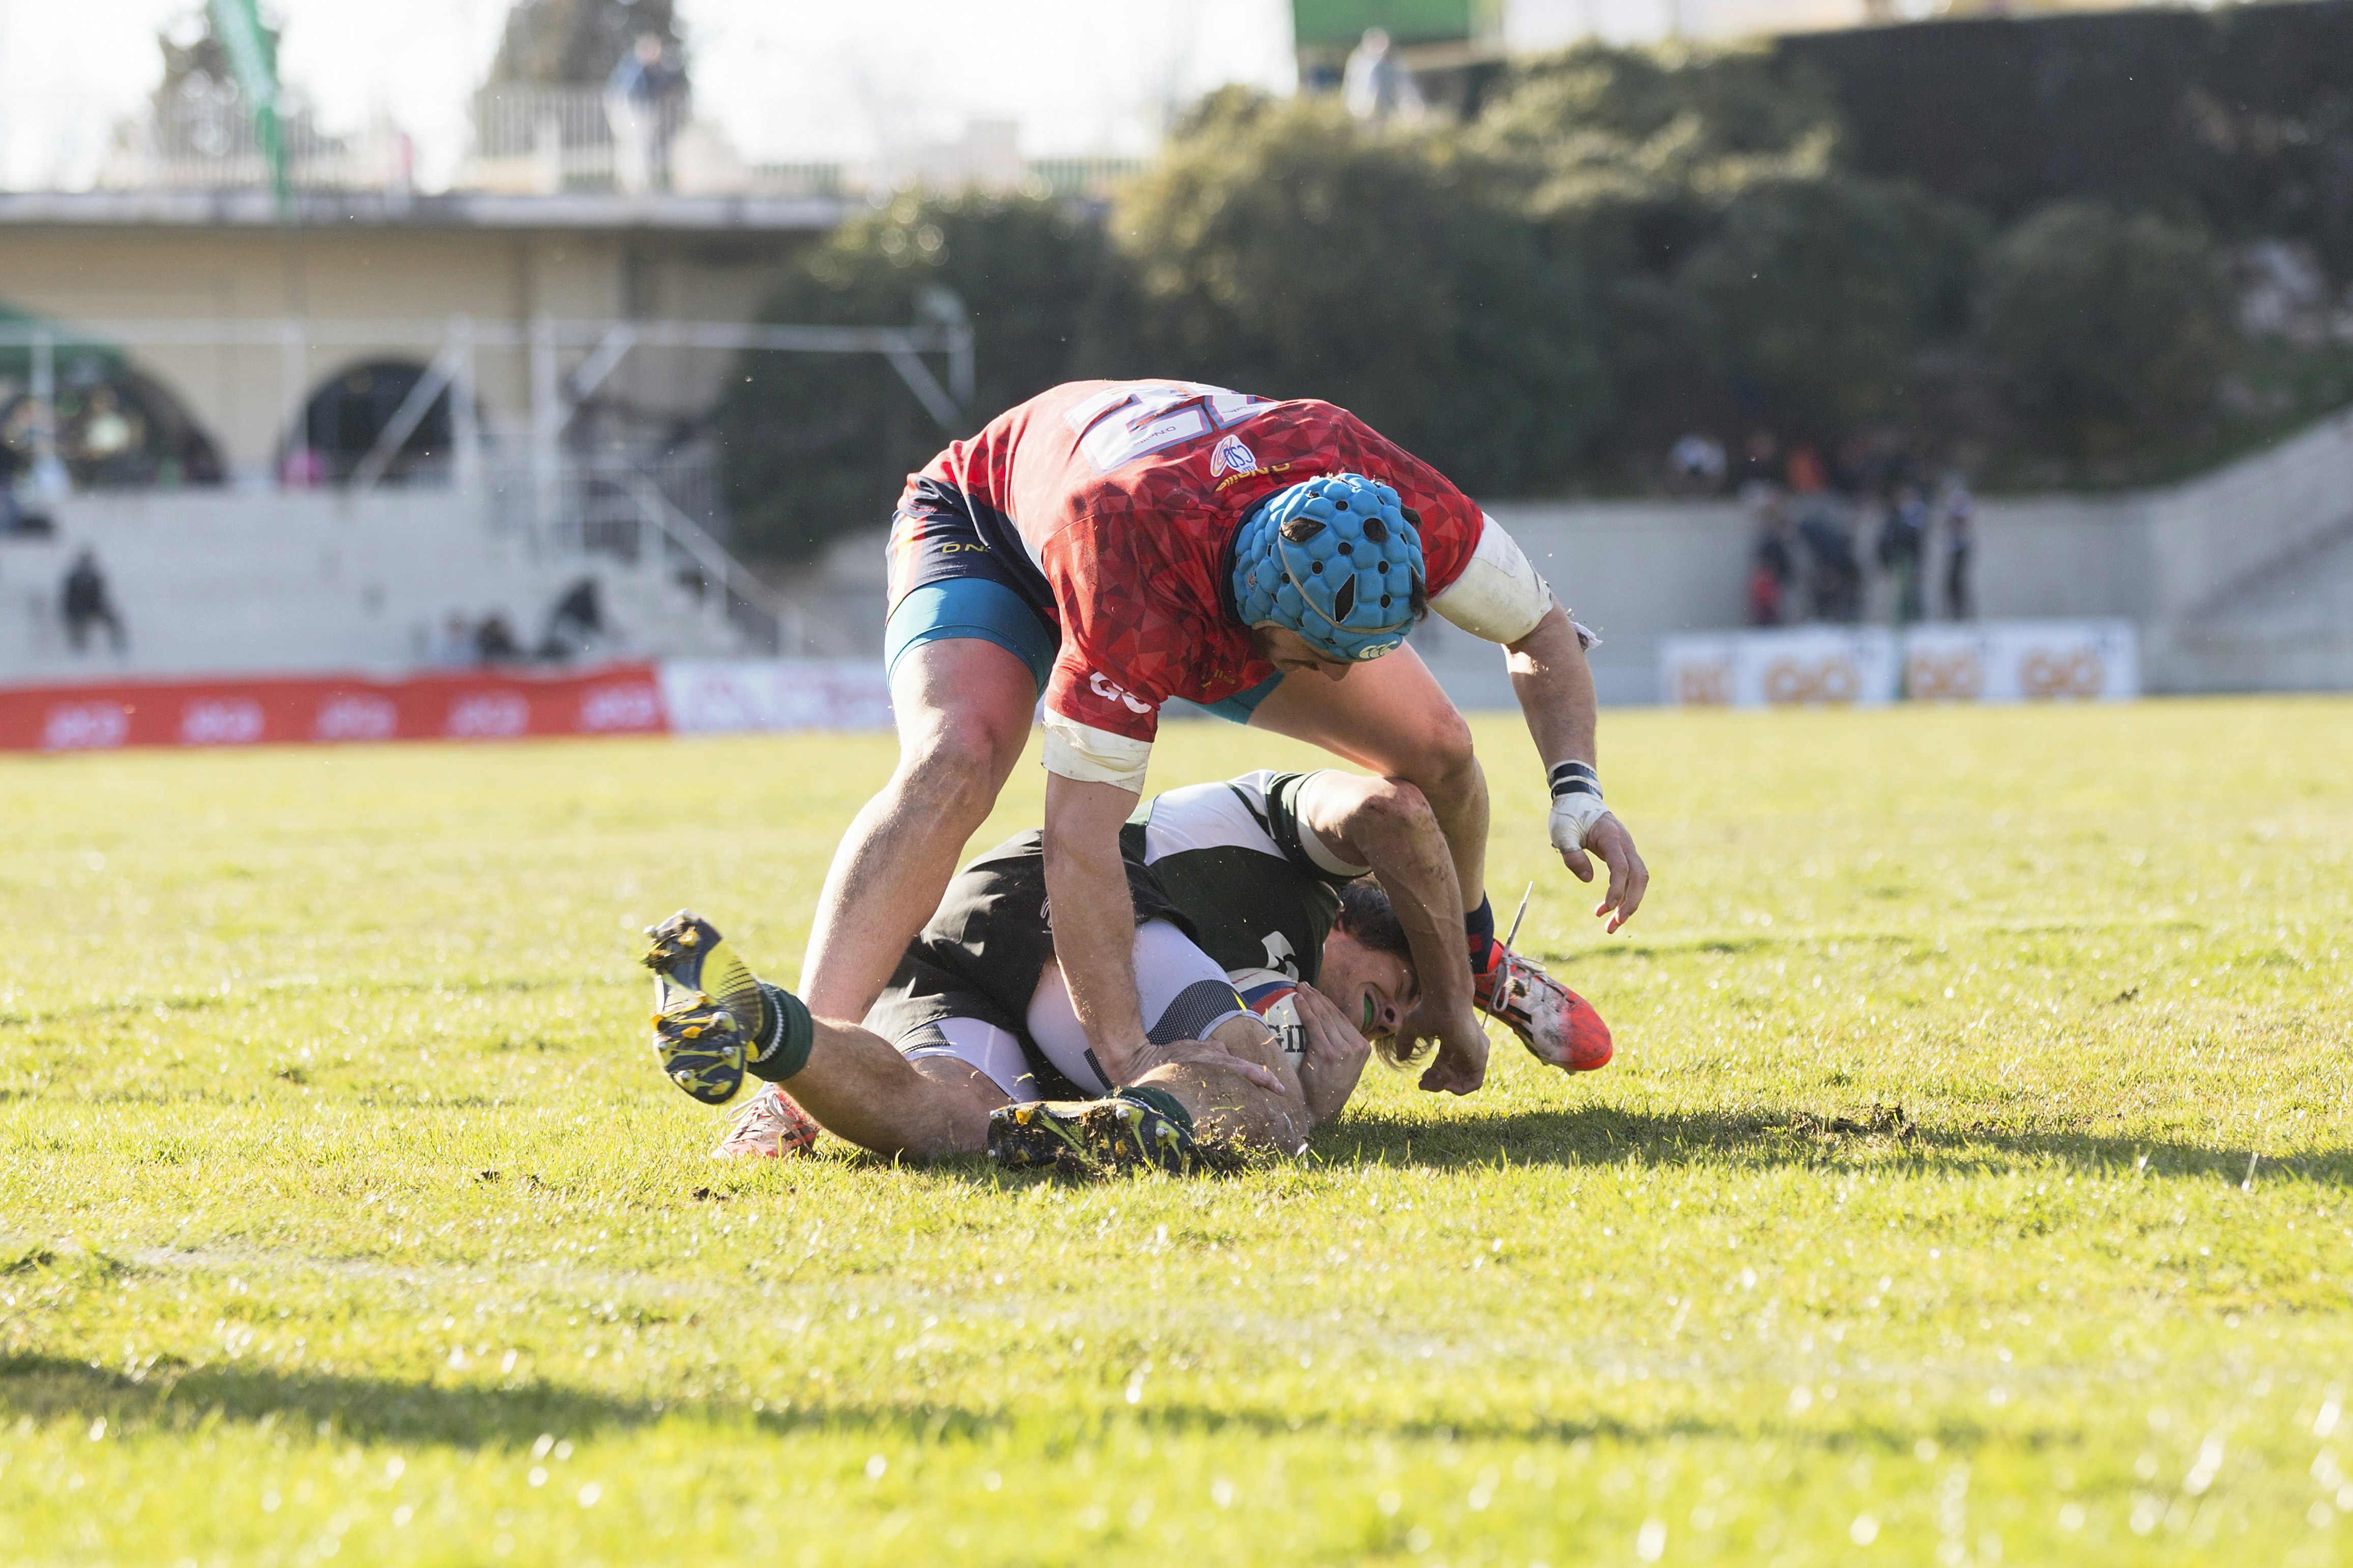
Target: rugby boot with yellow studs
[[711, 1017], [1127, 1131]]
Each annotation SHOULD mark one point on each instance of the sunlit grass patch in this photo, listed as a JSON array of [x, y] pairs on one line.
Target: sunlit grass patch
[[1971, 1186]]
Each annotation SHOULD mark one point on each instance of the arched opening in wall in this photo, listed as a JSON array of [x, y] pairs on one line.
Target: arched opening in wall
[[369, 408], [113, 426]]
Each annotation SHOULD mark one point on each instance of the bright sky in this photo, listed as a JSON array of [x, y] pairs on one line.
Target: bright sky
[[784, 79]]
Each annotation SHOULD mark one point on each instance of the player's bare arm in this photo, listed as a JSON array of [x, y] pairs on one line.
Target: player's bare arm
[[1555, 686], [1086, 883], [1501, 597], [1385, 824]]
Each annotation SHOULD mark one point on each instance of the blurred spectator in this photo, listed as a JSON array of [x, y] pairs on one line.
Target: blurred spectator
[[456, 649], [1834, 572], [1807, 475], [1377, 85], [1903, 547], [494, 641], [1774, 567], [1695, 466], [9, 464], [85, 601], [576, 624], [1961, 534], [1760, 459], [644, 99]]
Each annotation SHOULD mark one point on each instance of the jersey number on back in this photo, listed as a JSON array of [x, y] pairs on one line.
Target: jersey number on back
[[1120, 424]]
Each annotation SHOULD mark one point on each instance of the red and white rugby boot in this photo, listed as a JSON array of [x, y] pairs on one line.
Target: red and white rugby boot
[[768, 1127], [1559, 1027]]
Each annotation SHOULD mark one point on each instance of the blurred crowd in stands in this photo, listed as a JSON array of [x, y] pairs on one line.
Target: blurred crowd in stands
[[577, 628], [1822, 525]]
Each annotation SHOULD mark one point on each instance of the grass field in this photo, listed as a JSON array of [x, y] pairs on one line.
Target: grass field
[[342, 1213]]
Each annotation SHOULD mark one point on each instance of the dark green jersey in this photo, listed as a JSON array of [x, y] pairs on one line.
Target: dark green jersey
[[1260, 890]]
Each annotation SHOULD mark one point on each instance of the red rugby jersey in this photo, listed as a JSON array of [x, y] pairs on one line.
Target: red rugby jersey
[[1123, 497]]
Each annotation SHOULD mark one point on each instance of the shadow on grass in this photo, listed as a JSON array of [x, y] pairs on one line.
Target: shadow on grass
[[329, 1407], [1605, 1136]]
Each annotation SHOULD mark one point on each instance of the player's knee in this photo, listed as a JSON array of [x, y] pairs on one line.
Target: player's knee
[[957, 769], [1401, 801], [1440, 761]]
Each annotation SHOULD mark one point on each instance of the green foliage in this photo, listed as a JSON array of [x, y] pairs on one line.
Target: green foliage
[[1814, 296], [1626, 244], [1286, 252], [819, 445], [344, 1205], [2241, 114], [1596, 125], [2111, 328]]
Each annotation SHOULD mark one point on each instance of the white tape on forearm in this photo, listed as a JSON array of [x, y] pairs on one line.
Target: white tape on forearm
[[1499, 596]]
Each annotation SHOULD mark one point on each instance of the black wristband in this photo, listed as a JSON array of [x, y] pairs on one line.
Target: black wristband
[[1574, 778]]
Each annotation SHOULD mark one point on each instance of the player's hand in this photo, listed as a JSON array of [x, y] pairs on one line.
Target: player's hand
[[1334, 1056], [1628, 877], [1460, 1065], [1144, 1057]]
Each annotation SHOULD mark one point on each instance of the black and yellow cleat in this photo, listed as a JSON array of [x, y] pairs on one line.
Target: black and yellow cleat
[[708, 1013], [1124, 1132]]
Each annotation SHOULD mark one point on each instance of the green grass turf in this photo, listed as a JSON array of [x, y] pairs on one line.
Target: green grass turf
[[346, 1216]]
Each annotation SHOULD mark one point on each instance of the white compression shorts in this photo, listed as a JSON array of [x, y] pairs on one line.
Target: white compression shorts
[[1185, 995]]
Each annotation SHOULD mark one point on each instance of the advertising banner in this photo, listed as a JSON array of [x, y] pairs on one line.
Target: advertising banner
[[2021, 662], [712, 696], [1797, 666], [453, 705]]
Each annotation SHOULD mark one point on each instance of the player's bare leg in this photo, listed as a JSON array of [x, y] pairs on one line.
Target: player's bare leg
[[860, 1088], [715, 1023], [963, 708], [1391, 717]]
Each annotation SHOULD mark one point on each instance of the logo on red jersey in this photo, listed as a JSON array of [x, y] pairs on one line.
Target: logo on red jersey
[[1232, 457], [1102, 688]]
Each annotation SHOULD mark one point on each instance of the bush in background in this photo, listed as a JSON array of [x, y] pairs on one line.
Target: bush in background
[[2110, 329], [816, 446], [1280, 250]]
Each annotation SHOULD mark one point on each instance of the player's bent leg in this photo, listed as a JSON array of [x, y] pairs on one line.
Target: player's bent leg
[[1391, 717], [716, 1023], [860, 1087], [963, 706]]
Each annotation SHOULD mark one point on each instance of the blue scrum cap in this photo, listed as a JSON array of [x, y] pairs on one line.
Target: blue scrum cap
[[1333, 558]]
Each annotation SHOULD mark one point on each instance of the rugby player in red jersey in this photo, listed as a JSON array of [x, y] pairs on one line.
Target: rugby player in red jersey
[[1107, 546]]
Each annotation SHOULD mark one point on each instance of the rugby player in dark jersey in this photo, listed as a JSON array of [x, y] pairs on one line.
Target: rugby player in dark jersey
[[1268, 959]]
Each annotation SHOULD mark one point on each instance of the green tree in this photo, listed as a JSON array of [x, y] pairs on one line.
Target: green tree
[[815, 446], [2111, 329], [1814, 297], [1281, 249]]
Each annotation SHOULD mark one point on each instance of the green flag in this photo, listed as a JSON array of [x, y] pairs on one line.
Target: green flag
[[253, 55]]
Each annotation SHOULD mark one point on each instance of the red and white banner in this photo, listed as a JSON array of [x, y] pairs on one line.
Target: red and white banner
[[694, 697], [455, 705]]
